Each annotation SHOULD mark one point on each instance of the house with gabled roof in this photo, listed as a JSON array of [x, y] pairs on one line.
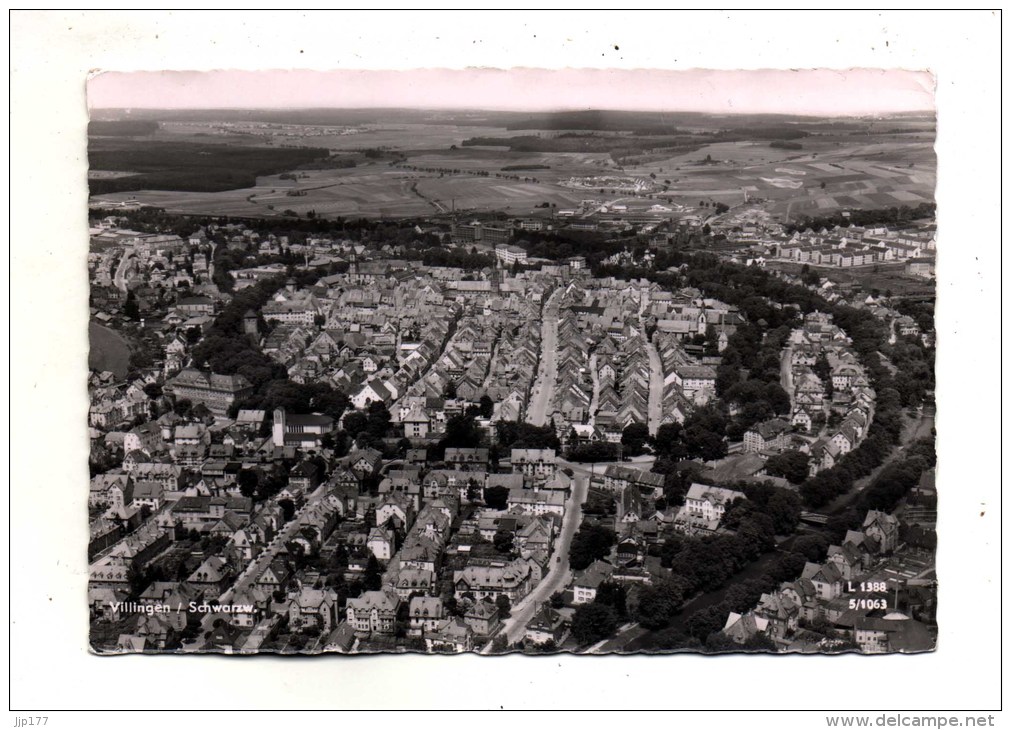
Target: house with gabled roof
[[313, 608], [513, 580], [782, 614], [212, 577], [450, 635], [374, 612], [547, 626], [586, 582], [705, 506], [413, 580], [425, 613], [883, 528], [740, 628], [826, 578]]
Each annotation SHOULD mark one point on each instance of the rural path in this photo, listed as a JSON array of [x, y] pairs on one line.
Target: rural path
[[618, 639], [544, 386], [559, 574]]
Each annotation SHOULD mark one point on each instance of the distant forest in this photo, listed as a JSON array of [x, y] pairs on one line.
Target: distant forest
[[125, 128], [205, 168]]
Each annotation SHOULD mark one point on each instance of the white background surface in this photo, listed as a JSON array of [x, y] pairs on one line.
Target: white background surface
[[51, 55]]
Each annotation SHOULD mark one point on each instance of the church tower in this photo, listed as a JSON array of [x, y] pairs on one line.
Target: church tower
[[279, 426]]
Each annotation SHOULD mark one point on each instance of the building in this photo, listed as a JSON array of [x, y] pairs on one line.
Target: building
[[546, 627], [509, 255], [771, 434], [586, 583], [513, 580], [537, 502], [883, 528], [537, 463], [922, 266], [425, 615], [416, 423], [704, 507], [217, 392], [300, 430], [894, 632], [374, 612]]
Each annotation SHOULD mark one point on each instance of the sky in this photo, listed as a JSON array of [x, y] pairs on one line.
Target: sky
[[815, 92]]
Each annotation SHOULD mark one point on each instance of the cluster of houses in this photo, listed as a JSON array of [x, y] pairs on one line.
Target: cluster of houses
[[688, 381], [846, 247], [178, 509], [388, 331], [604, 369], [837, 406], [642, 523], [852, 594]]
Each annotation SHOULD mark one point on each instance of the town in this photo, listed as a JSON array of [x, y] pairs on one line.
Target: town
[[619, 428]]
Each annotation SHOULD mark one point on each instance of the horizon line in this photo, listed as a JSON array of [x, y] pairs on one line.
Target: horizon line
[[518, 110]]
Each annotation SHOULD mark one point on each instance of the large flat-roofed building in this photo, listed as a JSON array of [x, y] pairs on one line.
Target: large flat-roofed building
[[217, 392], [509, 255]]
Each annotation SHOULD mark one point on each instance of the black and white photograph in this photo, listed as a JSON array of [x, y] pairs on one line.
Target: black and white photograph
[[537, 379], [463, 363]]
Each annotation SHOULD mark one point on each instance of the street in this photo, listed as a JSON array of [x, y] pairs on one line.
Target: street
[[559, 574], [595, 398], [544, 386], [786, 372], [253, 570], [655, 413], [121, 270]]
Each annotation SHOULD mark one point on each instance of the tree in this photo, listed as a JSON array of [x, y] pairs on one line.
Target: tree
[[592, 622], [591, 542], [823, 370], [287, 509], [813, 547], [667, 441], [504, 605], [355, 422], [612, 594], [706, 621], [462, 431], [487, 406], [658, 603], [248, 481], [496, 497], [130, 308], [792, 465], [634, 438], [373, 578], [503, 541]]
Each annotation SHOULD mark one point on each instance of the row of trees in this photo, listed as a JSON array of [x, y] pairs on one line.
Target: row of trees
[[896, 216]]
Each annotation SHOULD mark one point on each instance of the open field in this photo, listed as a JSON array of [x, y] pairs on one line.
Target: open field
[[843, 164]]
